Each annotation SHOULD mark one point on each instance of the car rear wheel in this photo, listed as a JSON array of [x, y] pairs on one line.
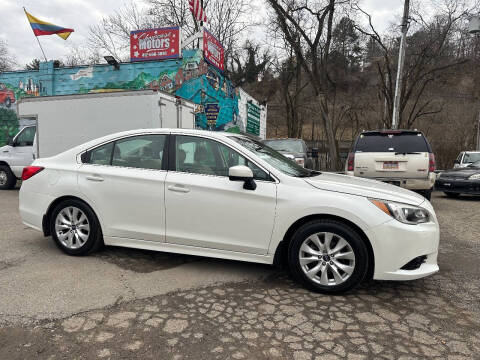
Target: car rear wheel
[[75, 228], [7, 178], [452, 195], [328, 256]]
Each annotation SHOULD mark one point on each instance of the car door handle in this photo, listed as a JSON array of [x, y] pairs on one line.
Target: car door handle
[[178, 189], [94, 178]]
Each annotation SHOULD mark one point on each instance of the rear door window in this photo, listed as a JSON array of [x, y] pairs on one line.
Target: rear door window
[[388, 142]]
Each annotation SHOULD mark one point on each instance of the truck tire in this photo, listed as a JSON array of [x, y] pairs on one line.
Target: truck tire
[[7, 178]]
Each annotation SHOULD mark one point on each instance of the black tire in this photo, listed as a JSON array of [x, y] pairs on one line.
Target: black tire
[[427, 194], [8, 102], [339, 229], [452, 195], [95, 238], [7, 178]]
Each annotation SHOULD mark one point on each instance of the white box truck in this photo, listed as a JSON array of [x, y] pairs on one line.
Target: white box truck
[[62, 122]]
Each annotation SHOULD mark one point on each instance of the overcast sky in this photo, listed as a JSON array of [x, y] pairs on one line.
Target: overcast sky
[[80, 14]]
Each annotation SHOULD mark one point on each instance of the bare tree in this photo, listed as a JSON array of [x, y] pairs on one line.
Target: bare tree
[[227, 19], [7, 60], [428, 57], [308, 27]]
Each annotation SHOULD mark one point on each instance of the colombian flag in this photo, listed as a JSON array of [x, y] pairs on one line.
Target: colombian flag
[[40, 27]]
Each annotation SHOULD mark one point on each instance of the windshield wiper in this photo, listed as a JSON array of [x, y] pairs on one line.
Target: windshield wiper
[[407, 153], [310, 174]]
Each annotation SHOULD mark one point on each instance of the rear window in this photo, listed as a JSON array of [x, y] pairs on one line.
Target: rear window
[[388, 142]]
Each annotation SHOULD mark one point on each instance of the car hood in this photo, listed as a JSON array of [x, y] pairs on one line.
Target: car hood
[[460, 173], [364, 187]]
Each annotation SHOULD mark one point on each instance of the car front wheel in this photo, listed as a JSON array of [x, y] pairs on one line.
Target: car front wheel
[[328, 256], [75, 228]]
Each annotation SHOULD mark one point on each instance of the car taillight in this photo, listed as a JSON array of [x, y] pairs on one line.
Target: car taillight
[[29, 171], [431, 163], [300, 161], [351, 162]]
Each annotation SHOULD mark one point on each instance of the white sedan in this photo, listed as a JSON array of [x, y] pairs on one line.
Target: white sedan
[[229, 196]]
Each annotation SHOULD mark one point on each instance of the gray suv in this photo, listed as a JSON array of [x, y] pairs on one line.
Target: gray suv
[[295, 149]]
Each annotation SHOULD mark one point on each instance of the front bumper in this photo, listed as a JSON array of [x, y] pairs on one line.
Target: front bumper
[[396, 244], [459, 186]]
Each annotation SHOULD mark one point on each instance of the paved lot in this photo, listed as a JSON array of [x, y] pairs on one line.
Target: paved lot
[[124, 303]]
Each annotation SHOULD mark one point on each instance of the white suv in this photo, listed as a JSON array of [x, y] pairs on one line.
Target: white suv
[[399, 157]]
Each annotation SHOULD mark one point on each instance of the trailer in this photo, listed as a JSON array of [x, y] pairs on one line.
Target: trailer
[[53, 124], [70, 120]]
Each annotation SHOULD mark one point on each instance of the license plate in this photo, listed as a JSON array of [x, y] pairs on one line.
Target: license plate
[[390, 165]]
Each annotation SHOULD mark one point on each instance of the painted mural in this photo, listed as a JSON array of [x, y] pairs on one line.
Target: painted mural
[[189, 77]]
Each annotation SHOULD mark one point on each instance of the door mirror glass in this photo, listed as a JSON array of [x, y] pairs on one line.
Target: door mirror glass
[[456, 162], [10, 141], [242, 173]]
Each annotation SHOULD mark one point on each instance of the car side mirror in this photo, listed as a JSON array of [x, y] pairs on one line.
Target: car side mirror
[[10, 142], [456, 162], [242, 173]]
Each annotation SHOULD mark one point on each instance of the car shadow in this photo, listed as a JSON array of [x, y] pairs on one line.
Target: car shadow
[[147, 261]]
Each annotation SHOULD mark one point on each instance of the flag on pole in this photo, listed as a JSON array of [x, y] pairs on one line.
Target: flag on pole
[[40, 27], [197, 10]]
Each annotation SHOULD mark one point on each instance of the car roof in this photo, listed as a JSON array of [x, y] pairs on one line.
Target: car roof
[[388, 131]]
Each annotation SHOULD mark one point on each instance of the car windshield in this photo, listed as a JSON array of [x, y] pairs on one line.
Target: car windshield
[[274, 158], [402, 142], [471, 157], [292, 145], [475, 164]]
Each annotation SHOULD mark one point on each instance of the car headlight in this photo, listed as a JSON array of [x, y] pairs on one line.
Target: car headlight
[[300, 161], [407, 214], [474, 177]]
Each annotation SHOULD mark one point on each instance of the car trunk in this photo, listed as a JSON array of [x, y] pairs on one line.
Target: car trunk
[[391, 165]]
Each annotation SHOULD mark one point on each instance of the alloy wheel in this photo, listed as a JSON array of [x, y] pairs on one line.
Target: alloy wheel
[[72, 227], [326, 258], [3, 177]]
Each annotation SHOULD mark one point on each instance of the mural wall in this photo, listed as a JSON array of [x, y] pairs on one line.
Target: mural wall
[[189, 77]]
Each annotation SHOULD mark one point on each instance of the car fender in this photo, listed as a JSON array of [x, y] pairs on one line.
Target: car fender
[[355, 209]]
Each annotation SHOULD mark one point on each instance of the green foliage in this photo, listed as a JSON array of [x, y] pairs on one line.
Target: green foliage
[[33, 65], [8, 125]]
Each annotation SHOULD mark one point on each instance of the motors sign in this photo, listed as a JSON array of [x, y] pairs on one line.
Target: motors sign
[[213, 50], [155, 44]]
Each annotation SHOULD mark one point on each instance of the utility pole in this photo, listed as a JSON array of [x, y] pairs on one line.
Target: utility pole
[[478, 132], [401, 60]]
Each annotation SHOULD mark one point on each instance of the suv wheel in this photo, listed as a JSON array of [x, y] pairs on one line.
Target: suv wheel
[[7, 178], [427, 194], [75, 228], [328, 256]]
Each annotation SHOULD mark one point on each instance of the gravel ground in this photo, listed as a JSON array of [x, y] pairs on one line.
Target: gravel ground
[[249, 316]]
